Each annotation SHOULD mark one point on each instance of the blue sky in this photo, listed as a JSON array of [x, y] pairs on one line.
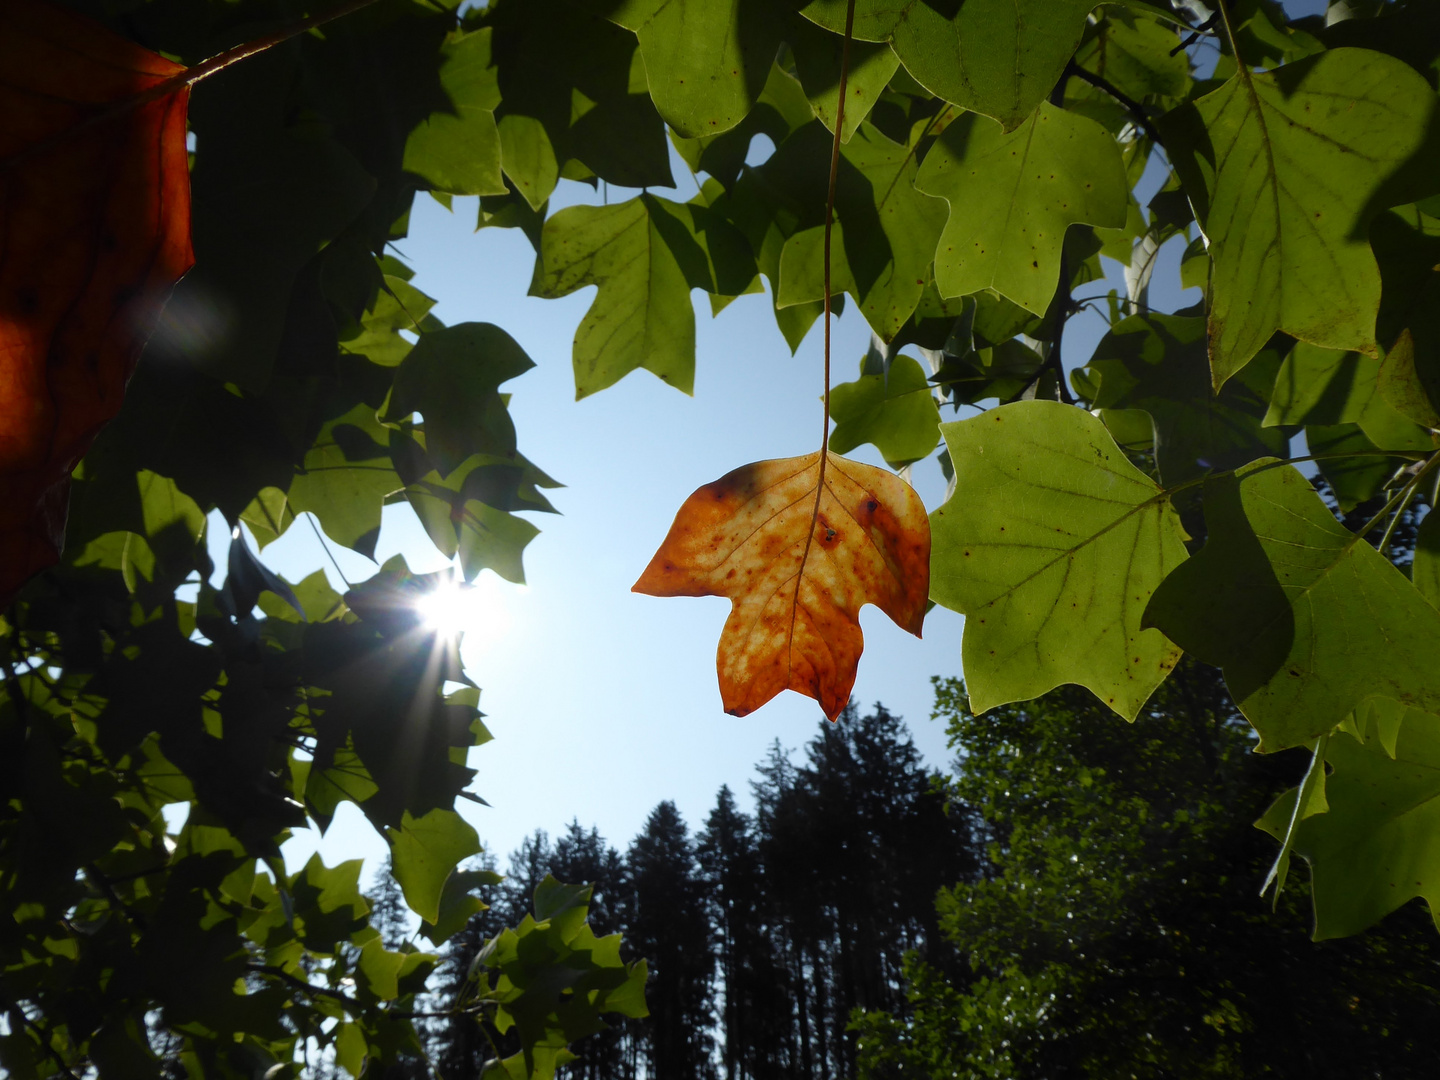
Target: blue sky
[[603, 702]]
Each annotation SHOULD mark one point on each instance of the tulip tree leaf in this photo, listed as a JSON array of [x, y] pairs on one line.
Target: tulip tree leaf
[[1305, 617], [425, 852], [1158, 363], [1051, 547], [883, 252], [1285, 168], [528, 158], [896, 411], [1378, 845], [645, 255], [997, 57], [817, 62], [451, 378], [706, 61], [1013, 195], [457, 149], [346, 476]]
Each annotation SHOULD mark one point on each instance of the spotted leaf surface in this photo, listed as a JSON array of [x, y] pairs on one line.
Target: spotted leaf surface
[[797, 578]]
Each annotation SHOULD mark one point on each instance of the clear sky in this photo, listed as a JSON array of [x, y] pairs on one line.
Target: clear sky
[[603, 702]]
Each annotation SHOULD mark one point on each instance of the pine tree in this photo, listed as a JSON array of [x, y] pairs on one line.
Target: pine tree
[[669, 926]]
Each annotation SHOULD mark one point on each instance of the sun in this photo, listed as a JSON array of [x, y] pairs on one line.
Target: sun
[[479, 610], [450, 609]]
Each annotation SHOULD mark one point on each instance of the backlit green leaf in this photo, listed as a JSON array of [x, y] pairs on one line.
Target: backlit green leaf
[[997, 57], [1012, 196], [1306, 618], [896, 411], [1378, 845], [457, 149], [1284, 169], [426, 851], [706, 61], [1051, 547]]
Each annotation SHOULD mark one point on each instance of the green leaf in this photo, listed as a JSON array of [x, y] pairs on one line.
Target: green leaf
[[645, 255], [452, 377], [1378, 845], [1051, 546], [380, 969], [346, 476], [817, 62], [896, 411], [1285, 170], [459, 904], [528, 158], [997, 57], [1158, 363], [1134, 55], [706, 61], [1012, 196], [1306, 618], [889, 228], [802, 267], [457, 149], [426, 851], [1407, 245], [781, 109], [398, 306]]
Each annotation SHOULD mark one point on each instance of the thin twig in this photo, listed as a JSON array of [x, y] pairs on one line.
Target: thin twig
[[1195, 35], [189, 77], [1133, 107], [351, 1005]]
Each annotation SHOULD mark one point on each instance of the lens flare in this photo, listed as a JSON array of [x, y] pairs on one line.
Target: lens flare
[[450, 609]]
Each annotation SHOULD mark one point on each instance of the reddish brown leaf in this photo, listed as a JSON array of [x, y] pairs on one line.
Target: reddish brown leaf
[[94, 232], [794, 617]]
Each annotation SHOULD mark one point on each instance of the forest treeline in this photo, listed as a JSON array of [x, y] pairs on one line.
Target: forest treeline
[[1075, 898]]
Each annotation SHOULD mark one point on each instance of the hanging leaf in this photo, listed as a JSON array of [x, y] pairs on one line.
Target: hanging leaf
[[896, 411], [817, 62], [997, 57], [457, 149], [1012, 196], [1285, 170], [1051, 547], [426, 851], [98, 233], [705, 62], [1376, 846], [796, 578], [1306, 618], [645, 255]]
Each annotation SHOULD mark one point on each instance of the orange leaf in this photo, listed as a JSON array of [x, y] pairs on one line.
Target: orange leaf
[[797, 579], [94, 233]]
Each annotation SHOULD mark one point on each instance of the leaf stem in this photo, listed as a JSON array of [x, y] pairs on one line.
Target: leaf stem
[[189, 77], [829, 221]]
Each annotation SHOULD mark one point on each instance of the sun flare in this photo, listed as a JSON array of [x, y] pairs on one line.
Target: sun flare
[[480, 610]]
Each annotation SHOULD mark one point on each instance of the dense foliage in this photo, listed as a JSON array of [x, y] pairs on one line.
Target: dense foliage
[[1115, 927], [159, 736]]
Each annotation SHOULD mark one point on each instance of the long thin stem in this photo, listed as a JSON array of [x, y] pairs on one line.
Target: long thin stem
[[189, 77], [829, 221]]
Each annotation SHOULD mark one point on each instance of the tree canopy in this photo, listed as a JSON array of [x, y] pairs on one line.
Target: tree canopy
[[160, 735]]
